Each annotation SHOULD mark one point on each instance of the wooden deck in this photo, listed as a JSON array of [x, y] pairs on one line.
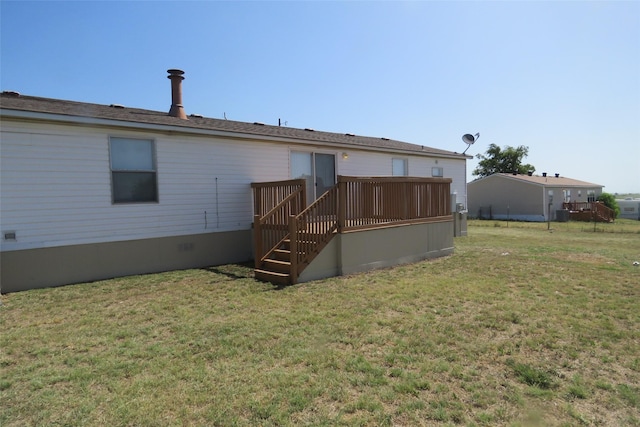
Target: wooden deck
[[288, 234], [589, 211]]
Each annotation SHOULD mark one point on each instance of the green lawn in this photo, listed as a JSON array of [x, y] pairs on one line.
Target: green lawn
[[521, 326]]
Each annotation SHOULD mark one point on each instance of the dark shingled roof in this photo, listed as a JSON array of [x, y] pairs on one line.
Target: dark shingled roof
[[15, 101]]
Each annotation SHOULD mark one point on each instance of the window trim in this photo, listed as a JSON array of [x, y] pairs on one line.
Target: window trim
[[154, 171], [440, 174], [405, 166]]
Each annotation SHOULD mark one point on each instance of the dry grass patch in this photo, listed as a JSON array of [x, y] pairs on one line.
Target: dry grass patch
[[521, 326]]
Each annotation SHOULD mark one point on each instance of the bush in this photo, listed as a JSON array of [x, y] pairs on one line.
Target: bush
[[609, 201]]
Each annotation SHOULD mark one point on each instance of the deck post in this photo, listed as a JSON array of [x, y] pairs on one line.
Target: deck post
[[293, 247], [257, 241], [257, 202], [342, 204]]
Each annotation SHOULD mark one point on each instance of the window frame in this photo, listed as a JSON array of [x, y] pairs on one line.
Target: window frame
[[439, 174], [312, 178], [113, 172], [405, 166]]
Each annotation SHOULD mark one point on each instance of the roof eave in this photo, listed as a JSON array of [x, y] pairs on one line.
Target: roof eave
[[549, 183], [25, 115]]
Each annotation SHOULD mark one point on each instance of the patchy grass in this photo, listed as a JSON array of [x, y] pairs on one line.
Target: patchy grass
[[520, 326], [532, 376]]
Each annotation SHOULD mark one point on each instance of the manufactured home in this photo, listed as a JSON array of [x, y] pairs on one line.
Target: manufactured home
[[629, 208], [527, 197], [90, 192]]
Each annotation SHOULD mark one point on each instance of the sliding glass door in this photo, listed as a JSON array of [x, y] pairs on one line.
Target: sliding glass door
[[318, 169]]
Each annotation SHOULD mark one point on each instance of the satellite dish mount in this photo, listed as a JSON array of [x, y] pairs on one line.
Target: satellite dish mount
[[469, 139]]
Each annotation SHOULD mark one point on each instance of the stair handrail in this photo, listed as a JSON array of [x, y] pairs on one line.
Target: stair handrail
[[604, 211], [598, 209], [311, 230], [266, 195], [272, 229]]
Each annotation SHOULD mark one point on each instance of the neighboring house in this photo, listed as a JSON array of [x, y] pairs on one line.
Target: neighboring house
[[90, 192], [526, 197], [629, 208]]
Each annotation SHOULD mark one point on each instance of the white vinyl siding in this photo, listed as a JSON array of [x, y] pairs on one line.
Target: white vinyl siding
[[55, 187], [55, 183], [363, 163]]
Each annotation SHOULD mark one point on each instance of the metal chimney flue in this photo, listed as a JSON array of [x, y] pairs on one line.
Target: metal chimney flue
[[177, 110]]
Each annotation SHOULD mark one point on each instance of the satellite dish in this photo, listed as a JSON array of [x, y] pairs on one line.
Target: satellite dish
[[469, 139]]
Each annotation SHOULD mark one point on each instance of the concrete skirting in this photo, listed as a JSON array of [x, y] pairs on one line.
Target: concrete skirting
[[360, 251], [46, 267]]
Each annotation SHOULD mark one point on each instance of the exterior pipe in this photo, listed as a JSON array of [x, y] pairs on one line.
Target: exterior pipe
[[177, 110]]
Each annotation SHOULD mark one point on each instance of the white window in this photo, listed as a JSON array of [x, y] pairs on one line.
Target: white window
[[133, 170], [591, 195], [399, 167], [437, 172]]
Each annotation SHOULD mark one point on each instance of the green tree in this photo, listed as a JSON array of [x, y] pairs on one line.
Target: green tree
[[507, 160], [609, 200]]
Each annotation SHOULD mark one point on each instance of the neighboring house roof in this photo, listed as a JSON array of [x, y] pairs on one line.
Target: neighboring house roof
[[546, 181], [75, 111]]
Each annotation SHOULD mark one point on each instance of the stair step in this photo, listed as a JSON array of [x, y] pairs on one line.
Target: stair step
[[276, 266], [273, 277], [282, 255]]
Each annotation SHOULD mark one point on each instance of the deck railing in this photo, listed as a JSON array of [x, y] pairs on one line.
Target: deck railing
[[274, 204], [591, 211], [354, 203], [377, 202], [266, 195]]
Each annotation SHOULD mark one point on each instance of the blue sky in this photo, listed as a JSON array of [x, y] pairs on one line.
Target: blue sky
[[562, 78]]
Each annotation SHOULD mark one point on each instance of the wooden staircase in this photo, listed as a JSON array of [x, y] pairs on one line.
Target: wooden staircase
[[589, 212], [277, 267], [286, 244]]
